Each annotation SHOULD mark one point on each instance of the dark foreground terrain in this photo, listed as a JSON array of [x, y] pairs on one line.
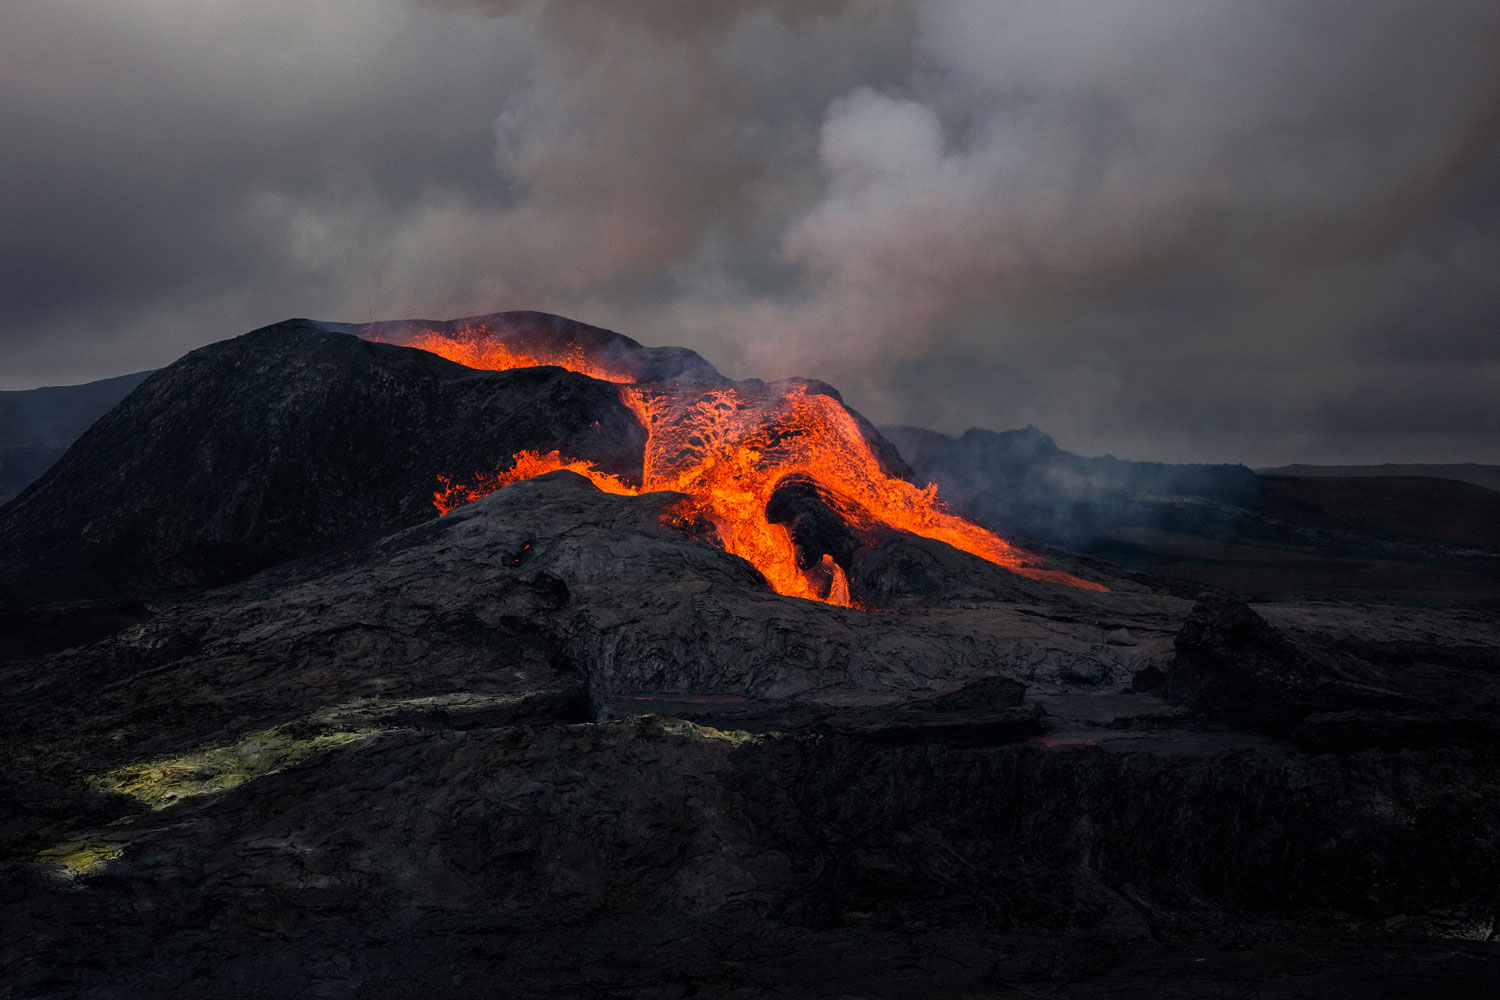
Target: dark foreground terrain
[[546, 746]]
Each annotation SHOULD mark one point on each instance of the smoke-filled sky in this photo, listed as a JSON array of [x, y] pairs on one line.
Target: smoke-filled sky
[[1222, 230]]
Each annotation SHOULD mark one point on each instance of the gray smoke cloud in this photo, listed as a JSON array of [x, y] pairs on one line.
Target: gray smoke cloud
[[1177, 229]]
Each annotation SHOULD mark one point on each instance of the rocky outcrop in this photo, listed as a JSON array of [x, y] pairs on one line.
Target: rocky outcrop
[[1238, 669], [1340, 694]]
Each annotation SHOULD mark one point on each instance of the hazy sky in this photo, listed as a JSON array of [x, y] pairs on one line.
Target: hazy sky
[[1254, 231]]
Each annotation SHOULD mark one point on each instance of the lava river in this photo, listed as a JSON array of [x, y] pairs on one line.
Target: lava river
[[727, 449]]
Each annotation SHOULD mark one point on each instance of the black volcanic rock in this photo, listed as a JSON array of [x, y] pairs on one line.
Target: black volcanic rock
[[280, 443], [816, 528], [927, 723], [895, 569], [1234, 666], [545, 584], [1363, 728], [31, 632], [549, 745], [376, 775]]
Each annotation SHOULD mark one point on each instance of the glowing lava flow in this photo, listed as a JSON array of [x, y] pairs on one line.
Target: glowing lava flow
[[728, 449], [527, 465], [476, 349]]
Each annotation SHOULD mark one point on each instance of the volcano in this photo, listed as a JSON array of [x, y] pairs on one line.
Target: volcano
[[324, 437], [508, 654]]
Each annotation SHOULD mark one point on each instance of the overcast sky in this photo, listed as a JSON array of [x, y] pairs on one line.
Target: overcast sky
[[1253, 231]]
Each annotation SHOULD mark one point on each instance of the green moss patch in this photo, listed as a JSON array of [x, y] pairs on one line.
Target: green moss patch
[[80, 857], [162, 783]]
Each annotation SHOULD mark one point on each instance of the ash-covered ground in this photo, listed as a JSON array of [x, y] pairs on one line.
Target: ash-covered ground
[[276, 730]]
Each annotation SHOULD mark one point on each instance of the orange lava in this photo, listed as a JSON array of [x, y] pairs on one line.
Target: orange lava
[[475, 348], [527, 465], [727, 449]]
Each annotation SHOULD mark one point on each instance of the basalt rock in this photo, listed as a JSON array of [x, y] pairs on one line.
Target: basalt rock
[[816, 528], [390, 773], [1236, 668], [1361, 729], [894, 569]]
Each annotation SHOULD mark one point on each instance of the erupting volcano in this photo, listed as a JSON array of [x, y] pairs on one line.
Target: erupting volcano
[[730, 448], [582, 728]]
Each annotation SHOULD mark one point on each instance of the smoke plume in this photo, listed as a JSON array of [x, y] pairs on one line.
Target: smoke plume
[[1177, 229]]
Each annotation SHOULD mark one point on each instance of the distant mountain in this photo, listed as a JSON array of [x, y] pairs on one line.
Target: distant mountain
[[1487, 476], [1020, 482], [37, 425], [1427, 506], [1223, 526]]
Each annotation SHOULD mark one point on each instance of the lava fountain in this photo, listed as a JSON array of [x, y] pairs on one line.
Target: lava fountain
[[727, 448]]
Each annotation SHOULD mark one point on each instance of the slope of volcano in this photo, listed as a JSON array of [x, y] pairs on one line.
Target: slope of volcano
[[283, 442]]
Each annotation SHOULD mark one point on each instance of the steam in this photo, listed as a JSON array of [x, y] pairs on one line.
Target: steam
[[990, 181], [1106, 146], [646, 127]]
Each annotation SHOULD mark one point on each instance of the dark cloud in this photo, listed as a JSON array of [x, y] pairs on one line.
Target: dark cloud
[[1183, 229], [177, 172]]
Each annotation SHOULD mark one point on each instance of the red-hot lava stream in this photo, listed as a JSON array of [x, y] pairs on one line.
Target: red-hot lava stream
[[727, 450]]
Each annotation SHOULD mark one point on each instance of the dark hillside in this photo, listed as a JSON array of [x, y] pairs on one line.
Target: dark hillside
[[1021, 483], [1443, 509], [277, 444]]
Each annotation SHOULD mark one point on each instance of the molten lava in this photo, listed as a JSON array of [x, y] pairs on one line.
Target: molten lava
[[476, 348], [526, 465], [728, 449]]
